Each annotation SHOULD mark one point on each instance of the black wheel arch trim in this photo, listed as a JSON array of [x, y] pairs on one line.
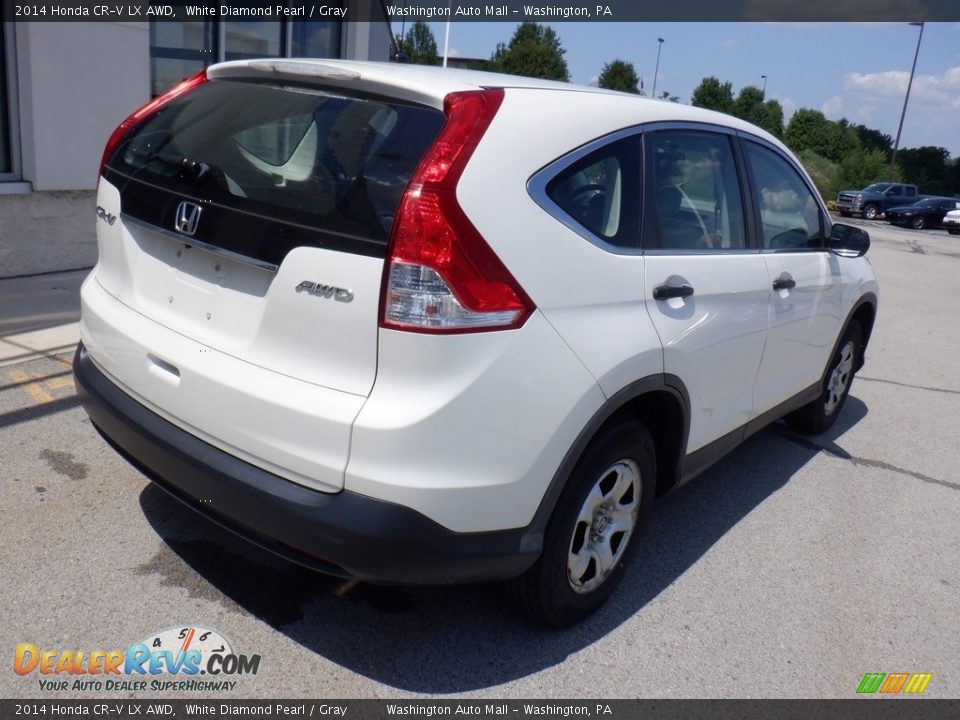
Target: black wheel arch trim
[[870, 299], [662, 383]]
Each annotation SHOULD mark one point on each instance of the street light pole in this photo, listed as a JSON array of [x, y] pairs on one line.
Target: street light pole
[[446, 35], [657, 71], [896, 144], [764, 91]]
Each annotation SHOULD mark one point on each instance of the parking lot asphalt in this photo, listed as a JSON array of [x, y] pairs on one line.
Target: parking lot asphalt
[[789, 569]]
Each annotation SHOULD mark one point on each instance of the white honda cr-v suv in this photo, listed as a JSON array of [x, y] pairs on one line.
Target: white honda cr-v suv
[[410, 325]]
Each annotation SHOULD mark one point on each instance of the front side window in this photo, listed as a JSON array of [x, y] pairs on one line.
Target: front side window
[[600, 192], [789, 211], [695, 192]]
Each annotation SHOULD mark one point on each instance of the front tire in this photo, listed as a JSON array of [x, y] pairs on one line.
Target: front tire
[[954, 232], [817, 416], [870, 212], [593, 531], [845, 213], [918, 223]]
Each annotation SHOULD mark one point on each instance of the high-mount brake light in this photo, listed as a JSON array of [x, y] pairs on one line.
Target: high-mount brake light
[[145, 111], [441, 276]]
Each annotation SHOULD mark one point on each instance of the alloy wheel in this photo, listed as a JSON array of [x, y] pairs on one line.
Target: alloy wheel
[[839, 380], [604, 526]]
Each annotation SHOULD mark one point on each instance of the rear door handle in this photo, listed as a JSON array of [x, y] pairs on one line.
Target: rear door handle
[[665, 292], [784, 282]]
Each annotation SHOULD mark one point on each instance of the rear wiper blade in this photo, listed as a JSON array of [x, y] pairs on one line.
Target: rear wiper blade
[[186, 166]]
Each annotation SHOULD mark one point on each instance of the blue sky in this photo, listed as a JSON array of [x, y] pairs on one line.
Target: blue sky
[[853, 70]]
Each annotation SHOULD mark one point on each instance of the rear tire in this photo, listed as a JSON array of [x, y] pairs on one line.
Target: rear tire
[[870, 212], [954, 232], [593, 531], [817, 416]]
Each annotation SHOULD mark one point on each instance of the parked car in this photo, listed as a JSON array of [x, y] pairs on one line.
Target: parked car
[[875, 199], [928, 212], [413, 325], [951, 221]]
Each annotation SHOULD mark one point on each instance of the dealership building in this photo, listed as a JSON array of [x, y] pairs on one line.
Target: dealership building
[[66, 85]]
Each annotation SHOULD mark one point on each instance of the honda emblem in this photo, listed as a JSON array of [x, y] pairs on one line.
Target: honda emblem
[[188, 217]]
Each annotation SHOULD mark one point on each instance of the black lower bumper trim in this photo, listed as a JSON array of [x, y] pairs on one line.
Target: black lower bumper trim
[[343, 534]]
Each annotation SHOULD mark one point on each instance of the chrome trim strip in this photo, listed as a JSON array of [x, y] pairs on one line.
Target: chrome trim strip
[[193, 242]]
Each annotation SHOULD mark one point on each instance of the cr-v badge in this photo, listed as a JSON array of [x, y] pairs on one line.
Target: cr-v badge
[[108, 218], [326, 291], [188, 217]]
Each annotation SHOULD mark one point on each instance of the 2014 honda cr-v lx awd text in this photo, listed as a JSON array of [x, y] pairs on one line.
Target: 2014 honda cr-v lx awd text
[[410, 325]]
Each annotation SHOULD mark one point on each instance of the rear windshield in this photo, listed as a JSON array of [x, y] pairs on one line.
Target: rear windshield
[[300, 155]]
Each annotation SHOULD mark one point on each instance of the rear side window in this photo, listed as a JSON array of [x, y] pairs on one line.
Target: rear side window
[[601, 192], [298, 154]]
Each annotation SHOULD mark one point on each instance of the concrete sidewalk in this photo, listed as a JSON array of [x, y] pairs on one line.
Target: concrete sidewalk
[[39, 315]]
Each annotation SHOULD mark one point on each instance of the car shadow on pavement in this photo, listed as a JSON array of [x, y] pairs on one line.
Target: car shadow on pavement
[[459, 639]]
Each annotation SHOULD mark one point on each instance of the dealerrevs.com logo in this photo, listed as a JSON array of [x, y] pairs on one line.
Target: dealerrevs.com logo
[[180, 658]]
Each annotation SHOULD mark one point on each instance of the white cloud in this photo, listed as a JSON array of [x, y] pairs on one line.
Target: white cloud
[[938, 89], [729, 44], [594, 81], [864, 113], [453, 52], [833, 108]]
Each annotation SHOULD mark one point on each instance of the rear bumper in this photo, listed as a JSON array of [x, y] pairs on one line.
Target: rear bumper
[[344, 534]]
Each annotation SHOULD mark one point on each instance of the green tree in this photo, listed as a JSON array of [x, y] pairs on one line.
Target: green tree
[[713, 95], [665, 95], [419, 46], [822, 171], [810, 130], [871, 139], [533, 51], [859, 169], [749, 105], [843, 140], [773, 123], [619, 75], [927, 167]]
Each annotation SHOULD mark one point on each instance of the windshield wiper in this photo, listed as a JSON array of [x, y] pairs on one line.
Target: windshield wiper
[[187, 167]]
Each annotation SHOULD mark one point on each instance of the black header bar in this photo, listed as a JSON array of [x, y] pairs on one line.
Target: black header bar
[[326, 709], [510, 11]]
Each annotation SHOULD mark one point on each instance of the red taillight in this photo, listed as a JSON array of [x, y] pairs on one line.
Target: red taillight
[[441, 276], [116, 137]]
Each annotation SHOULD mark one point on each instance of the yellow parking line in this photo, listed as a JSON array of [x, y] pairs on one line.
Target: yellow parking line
[[33, 389], [60, 383]]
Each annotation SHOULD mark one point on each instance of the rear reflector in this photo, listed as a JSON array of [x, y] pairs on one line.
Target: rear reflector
[[441, 275]]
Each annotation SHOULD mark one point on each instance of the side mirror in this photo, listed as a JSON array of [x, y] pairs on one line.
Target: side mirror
[[848, 241]]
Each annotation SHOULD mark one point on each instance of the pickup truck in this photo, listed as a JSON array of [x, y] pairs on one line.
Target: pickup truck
[[875, 199]]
